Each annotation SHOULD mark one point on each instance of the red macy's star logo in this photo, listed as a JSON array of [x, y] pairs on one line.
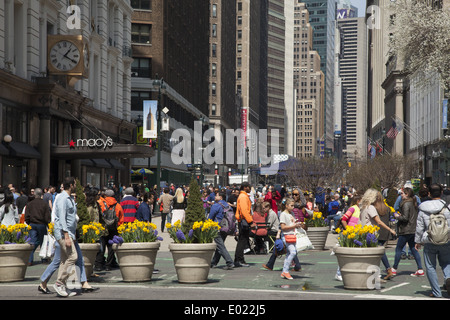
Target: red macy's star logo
[[72, 144]]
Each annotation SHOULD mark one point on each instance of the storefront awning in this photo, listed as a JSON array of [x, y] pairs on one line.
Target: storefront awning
[[117, 151], [3, 150], [116, 164], [23, 150]]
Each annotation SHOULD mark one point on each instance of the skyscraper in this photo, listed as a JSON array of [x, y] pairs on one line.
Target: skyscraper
[[322, 19], [309, 83], [276, 71], [351, 83]]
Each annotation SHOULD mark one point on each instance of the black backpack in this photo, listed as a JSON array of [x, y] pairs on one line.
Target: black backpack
[[110, 217]]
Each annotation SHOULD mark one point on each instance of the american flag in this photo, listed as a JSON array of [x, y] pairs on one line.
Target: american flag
[[395, 130]]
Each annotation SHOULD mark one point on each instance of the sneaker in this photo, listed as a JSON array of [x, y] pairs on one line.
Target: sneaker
[[403, 256], [338, 277], [266, 267], [394, 271], [229, 267], [447, 285], [286, 275], [418, 273], [60, 289], [71, 293]]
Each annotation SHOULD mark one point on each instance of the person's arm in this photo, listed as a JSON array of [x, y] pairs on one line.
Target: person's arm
[[383, 225]]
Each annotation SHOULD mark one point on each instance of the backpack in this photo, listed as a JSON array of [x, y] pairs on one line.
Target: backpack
[[228, 223], [438, 228], [110, 217]]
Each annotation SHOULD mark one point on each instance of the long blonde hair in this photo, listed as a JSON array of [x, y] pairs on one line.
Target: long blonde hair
[[375, 198], [179, 195]]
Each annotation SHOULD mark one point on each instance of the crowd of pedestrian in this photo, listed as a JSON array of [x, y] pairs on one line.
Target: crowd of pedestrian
[[263, 215]]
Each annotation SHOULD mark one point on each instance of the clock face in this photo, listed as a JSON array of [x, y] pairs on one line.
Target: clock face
[[65, 55]]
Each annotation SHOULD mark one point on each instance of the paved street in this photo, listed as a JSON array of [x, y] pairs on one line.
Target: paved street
[[315, 282]]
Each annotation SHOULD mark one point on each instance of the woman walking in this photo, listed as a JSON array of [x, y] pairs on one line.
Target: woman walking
[[288, 224], [407, 220], [178, 207], [373, 212]]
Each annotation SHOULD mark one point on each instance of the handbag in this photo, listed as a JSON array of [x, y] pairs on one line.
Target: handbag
[[303, 242], [290, 238]]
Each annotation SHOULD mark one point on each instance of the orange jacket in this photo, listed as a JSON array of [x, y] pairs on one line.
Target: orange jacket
[[110, 201], [244, 208]]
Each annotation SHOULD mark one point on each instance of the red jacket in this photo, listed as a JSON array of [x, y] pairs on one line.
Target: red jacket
[[272, 198]]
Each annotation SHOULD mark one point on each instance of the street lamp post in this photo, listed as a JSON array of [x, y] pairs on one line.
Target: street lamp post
[[384, 135], [160, 85]]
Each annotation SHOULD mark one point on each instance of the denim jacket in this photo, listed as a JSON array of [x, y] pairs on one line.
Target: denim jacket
[[65, 214]]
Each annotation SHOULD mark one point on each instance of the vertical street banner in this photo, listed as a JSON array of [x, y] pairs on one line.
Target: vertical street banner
[[244, 120], [149, 125]]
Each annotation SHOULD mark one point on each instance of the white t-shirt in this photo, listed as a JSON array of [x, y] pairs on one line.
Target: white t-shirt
[[288, 219], [368, 216]]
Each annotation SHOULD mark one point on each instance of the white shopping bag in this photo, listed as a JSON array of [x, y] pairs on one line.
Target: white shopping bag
[[44, 247], [51, 246], [303, 242]]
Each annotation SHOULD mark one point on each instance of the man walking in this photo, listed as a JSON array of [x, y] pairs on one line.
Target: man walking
[[166, 199], [65, 212], [245, 222], [130, 205], [433, 252], [216, 214], [37, 215]]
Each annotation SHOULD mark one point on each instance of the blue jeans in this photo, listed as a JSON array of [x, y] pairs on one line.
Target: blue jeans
[[401, 242], [52, 267], [384, 258], [291, 255], [442, 253], [37, 233], [273, 258], [221, 250]]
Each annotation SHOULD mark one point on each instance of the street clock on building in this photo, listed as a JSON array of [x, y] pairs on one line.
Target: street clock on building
[[68, 55]]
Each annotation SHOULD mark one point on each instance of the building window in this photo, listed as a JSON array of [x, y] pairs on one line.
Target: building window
[[15, 123], [239, 6], [138, 98], [141, 33], [214, 30], [214, 50], [214, 70], [214, 110], [239, 20], [213, 89], [239, 34], [141, 4], [214, 10], [141, 68]]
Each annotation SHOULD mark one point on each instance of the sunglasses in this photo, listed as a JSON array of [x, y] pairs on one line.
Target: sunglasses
[[295, 194]]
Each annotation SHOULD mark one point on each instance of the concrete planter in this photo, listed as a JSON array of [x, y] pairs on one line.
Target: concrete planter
[[192, 261], [360, 267], [137, 260], [89, 251], [318, 236], [14, 261]]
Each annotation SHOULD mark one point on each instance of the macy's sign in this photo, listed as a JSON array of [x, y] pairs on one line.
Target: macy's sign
[[93, 143]]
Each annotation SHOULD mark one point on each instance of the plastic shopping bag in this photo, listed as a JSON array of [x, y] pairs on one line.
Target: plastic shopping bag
[[303, 242]]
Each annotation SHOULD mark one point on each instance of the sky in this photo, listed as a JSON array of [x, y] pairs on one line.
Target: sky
[[361, 5]]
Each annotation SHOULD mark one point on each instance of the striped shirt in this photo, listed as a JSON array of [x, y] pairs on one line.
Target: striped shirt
[[130, 205]]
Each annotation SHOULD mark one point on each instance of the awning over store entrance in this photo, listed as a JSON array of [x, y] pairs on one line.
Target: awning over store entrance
[[19, 150], [103, 163], [118, 151], [3, 150]]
